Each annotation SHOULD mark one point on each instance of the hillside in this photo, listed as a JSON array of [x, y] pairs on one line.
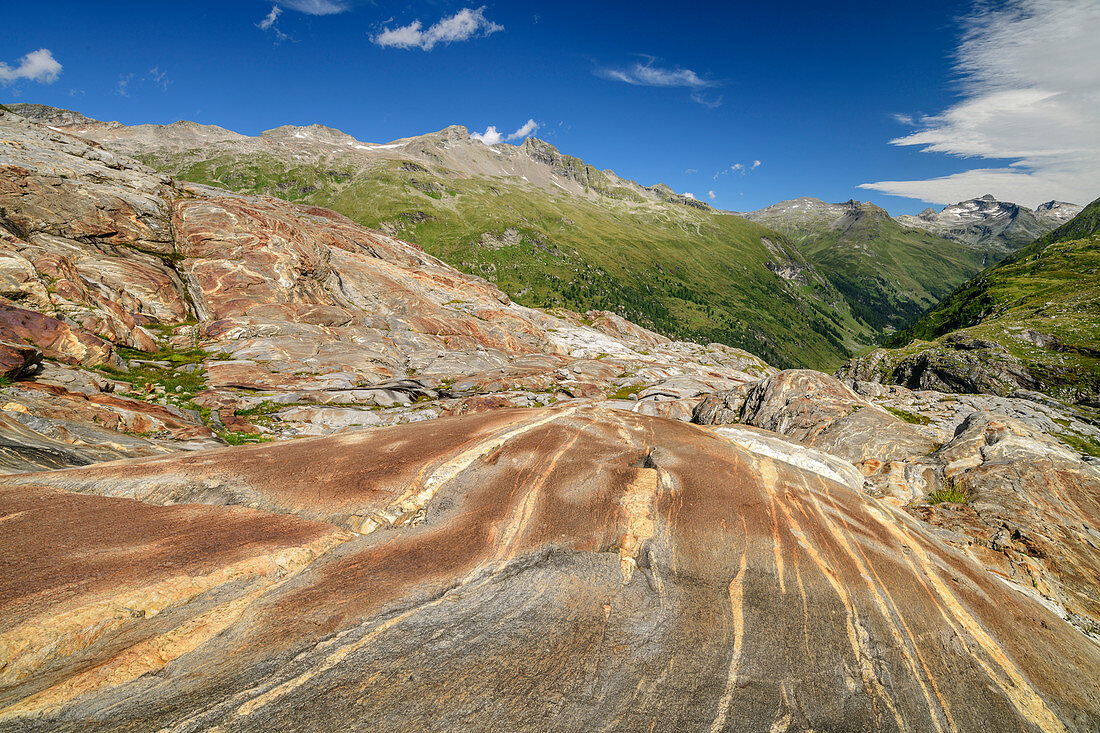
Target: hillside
[[547, 228], [1027, 323], [888, 273]]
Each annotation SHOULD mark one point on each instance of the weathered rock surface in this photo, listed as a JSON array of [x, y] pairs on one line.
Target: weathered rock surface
[[966, 366], [18, 360], [56, 339], [570, 567], [1021, 502], [819, 411]]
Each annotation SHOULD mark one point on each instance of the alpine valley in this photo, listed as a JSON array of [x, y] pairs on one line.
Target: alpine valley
[[299, 432]]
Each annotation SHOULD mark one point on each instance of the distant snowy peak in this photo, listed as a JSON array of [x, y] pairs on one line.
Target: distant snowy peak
[[1059, 210], [987, 222]]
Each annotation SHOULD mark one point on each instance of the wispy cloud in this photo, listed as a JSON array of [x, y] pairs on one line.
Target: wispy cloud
[[158, 78], [318, 7], [269, 20], [270, 23], [492, 136], [648, 74], [462, 26], [712, 195], [708, 102], [39, 66], [741, 168], [122, 87], [1029, 75]]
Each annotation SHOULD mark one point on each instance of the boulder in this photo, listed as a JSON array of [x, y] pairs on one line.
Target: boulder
[[18, 360], [55, 339], [818, 410]]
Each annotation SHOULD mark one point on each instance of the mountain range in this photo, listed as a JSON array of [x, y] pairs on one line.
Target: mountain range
[[551, 231], [988, 223]]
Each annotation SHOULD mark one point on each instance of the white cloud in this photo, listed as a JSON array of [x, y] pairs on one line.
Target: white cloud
[[1030, 82], [465, 24], [712, 195], [158, 77], [270, 19], [648, 75], [269, 23], [527, 128], [489, 137], [689, 195], [317, 7], [708, 102], [38, 66], [738, 168], [492, 136]]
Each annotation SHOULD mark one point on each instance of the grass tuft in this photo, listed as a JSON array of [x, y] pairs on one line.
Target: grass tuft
[[625, 393], [909, 417], [950, 495]]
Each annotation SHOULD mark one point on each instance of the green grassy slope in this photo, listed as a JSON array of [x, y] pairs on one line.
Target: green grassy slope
[[888, 273], [687, 272], [1042, 305]]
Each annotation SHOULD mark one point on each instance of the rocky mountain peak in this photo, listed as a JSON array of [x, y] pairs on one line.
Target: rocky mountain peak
[[1054, 205], [540, 150], [987, 222], [1060, 211], [53, 116], [315, 133], [454, 133]]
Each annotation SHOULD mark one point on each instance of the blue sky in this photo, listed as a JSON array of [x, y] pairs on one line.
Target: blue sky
[[660, 93]]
